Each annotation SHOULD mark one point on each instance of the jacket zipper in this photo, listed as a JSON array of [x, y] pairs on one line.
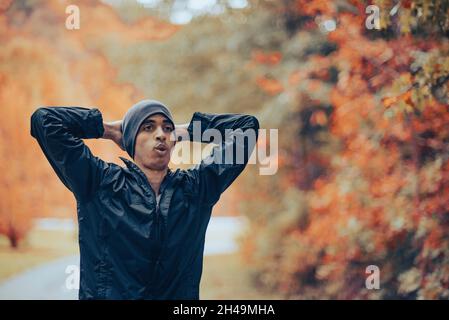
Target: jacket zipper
[[158, 220], [157, 215], [148, 187]]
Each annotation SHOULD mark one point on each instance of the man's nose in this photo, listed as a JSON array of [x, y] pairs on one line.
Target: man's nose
[[160, 136]]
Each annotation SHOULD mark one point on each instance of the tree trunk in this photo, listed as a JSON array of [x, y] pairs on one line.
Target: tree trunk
[[13, 238]]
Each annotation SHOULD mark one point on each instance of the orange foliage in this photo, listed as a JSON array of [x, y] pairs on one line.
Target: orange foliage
[[43, 63], [383, 196], [269, 85], [266, 58]]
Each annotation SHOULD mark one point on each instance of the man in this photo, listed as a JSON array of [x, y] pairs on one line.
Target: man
[[141, 227]]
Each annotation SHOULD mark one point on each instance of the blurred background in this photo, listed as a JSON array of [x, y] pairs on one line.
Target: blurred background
[[359, 92]]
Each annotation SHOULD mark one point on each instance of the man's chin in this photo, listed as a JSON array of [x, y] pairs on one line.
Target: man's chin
[[157, 165]]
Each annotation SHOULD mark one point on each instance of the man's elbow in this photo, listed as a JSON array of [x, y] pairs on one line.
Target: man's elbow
[[36, 119], [253, 124]]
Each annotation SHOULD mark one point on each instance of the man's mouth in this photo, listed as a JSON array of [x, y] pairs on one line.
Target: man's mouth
[[161, 148]]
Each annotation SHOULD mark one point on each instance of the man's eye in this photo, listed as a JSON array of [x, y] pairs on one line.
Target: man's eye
[[148, 127], [168, 129]]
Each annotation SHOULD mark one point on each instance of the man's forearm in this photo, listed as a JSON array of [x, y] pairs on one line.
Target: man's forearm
[[113, 131], [59, 132], [77, 121], [221, 122], [110, 130]]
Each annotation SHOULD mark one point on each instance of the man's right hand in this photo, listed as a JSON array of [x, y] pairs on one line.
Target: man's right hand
[[113, 131]]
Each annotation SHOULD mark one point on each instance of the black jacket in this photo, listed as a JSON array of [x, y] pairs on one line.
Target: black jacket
[[131, 248]]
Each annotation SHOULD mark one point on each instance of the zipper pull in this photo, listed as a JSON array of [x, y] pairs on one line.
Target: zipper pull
[[158, 200]]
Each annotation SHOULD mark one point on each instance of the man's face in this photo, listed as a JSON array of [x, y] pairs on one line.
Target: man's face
[[153, 143]]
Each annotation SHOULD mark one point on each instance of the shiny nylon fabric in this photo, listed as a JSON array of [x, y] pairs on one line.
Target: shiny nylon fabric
[[130, 248]]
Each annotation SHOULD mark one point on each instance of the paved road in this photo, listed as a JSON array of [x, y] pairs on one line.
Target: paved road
[[52, 281]]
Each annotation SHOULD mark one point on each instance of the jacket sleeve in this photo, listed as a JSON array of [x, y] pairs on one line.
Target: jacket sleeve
[[59, 132], [227, 160]]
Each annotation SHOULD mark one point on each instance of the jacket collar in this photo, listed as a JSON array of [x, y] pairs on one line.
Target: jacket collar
[[131, 165], [135, 168]]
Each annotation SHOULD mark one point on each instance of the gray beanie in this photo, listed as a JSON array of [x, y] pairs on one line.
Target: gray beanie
[[135, 116]]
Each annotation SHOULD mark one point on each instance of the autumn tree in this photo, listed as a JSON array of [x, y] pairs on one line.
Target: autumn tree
[[371, 185], [42, 63]]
